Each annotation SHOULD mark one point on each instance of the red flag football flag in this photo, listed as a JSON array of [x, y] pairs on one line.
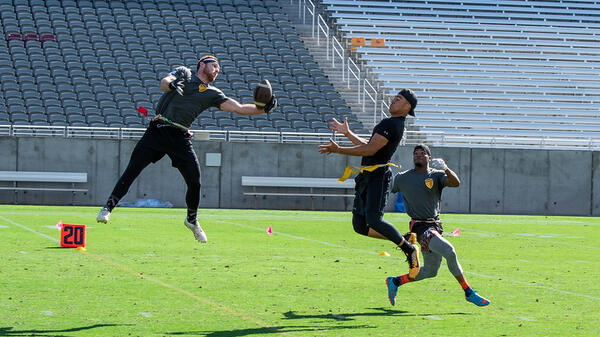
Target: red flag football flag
[[456, 232], [269, 230], [143, 111]]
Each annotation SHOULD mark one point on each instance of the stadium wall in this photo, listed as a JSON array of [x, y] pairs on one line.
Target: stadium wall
[[498, 181]]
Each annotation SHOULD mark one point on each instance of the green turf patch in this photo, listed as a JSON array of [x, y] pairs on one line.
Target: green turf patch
[[143, 274]]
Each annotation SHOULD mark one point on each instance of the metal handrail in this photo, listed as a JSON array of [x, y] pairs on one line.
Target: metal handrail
[[323, 27], [372, 97], [433, 138], [384, 109], [348, 65], [355, 71], [337, 48]]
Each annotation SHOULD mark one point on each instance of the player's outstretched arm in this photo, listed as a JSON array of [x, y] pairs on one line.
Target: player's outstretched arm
[[377, 142], [344, 129], [232, 105]]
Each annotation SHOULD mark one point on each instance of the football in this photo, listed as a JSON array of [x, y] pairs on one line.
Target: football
[[262, 94]]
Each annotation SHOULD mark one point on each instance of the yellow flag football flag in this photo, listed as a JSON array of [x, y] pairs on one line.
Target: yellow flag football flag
[[358, 169]]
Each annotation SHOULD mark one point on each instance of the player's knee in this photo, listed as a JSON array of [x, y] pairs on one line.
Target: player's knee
[[360, 225], [194, 185], [373, 219], [427, 273], [449, 253]]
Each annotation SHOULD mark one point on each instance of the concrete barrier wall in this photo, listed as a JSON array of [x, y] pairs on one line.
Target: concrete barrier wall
[[497, 181]]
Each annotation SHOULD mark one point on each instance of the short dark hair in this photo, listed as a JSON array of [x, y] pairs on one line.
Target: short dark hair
[[424, 148]]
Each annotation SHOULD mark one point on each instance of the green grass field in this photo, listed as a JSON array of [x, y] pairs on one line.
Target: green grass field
[[143, 274]]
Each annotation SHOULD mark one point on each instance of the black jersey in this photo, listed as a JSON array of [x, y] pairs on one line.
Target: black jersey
[[197, 97], [391, 128]]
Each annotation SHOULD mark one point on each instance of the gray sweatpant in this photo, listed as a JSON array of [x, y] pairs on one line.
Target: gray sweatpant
[[439, 247]]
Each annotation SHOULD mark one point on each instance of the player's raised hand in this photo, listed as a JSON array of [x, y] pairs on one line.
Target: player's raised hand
[[338, 127], [438, 164], [332, 147], [183, 73]]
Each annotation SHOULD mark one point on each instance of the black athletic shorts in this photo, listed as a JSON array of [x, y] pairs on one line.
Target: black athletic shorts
[[370, 191], [167, 139], [424, 231]]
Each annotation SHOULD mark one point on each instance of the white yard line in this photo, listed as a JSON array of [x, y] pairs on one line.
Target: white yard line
[[296, 237], [556, 239], [277, 232], [104, 260], [537, 286], [28, 229]]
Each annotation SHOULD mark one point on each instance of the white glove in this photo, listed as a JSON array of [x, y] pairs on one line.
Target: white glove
[[438, 164]]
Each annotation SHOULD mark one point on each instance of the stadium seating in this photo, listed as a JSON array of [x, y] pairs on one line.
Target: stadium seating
[[483, 68], [93, 62]]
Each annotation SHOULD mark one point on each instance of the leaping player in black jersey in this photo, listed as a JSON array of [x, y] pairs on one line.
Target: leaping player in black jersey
[[186, 96]]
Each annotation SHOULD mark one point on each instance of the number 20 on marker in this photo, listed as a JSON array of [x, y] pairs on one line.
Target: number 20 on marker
[[72, 236]]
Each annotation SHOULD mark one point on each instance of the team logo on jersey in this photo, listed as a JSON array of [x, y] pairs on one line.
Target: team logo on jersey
[[202, 87], [429, 183]]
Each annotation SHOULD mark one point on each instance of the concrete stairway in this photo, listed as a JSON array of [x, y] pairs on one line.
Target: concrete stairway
[[319, 52]]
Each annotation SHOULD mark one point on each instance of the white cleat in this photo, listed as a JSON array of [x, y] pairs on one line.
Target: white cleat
[[197, 230], [104, 215]]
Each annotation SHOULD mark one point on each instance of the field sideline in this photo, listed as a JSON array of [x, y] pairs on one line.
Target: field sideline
[[143, 274]]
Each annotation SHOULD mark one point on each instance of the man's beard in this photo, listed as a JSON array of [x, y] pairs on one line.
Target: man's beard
[[419, 165], [211, 77]]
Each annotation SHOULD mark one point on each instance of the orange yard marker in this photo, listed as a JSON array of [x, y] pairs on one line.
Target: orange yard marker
[[72, 236]]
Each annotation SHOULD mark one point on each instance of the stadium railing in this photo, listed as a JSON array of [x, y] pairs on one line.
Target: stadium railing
[[443, 137]]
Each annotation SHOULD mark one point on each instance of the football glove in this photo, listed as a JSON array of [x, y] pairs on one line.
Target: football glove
[[438, 164], [271, 105], [177, 85], [183, 73]]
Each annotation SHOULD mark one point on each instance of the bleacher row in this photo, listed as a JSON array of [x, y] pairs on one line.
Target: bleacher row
[[501, 68], [93, 63]]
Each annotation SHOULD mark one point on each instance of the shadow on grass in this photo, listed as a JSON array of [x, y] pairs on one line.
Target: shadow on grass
[[8, 331], [266, 330], [378, 312]]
